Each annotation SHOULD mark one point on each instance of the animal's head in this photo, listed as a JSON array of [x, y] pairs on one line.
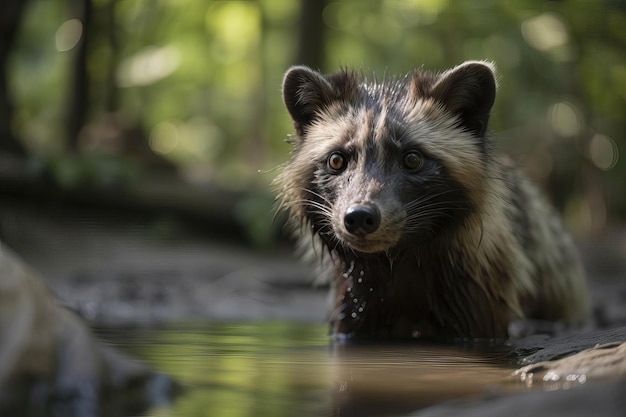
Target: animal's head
[[381, 165]]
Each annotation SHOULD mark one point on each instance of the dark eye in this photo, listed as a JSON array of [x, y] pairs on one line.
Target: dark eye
[[336, 162], [412, 161]]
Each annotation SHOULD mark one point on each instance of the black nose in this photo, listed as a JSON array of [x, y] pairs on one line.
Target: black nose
[[361, 219]]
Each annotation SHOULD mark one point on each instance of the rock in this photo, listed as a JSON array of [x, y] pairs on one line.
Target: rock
[[49, 358], [604, 399], [538, 349], [601, 361]]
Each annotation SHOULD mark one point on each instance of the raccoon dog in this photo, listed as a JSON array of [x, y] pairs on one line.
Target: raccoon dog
[[428, 231]]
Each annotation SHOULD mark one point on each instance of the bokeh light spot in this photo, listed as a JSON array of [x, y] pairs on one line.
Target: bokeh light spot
[[603, 152], [68, 35], [545, 31], [164, 138], [149, 65], [565, 119]]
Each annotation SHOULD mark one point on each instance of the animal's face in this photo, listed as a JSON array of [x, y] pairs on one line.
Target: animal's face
[[377, 167]]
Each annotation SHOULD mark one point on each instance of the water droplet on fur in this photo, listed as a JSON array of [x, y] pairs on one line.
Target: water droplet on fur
[[360, 280], [371, 289], [349, 289], [362, 273], [354, 315], [355, 300], [351, 268], [360, 309]]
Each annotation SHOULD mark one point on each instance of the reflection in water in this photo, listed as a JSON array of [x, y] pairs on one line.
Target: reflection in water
[[286, 369], [394, 380]]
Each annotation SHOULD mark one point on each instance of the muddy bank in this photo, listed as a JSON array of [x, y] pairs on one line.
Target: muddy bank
[[134, 270], [118, 270]]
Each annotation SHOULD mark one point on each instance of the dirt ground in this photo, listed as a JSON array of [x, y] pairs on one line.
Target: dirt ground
[[129, 270]]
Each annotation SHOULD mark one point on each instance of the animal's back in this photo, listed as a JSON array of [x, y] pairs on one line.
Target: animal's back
[[559, 279]]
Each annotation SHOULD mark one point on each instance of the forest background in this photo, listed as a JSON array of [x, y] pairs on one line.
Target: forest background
[[173, 108]]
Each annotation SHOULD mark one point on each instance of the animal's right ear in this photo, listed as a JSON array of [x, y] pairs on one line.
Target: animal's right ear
[[305, 93]]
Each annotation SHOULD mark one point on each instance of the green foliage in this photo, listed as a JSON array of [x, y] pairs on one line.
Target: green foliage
[[202, 78], [252, 213], [91, 170]]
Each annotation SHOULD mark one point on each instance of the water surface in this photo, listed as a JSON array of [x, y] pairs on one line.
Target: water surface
[[274, 369]]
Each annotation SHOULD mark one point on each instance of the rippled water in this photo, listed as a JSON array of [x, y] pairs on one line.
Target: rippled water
[[285, 369]]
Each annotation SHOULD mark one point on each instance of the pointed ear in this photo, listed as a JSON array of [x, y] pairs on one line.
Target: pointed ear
[[306, 93], [468, 91]]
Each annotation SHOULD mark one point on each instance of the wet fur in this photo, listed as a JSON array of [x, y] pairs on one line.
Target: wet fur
[[465, 245]]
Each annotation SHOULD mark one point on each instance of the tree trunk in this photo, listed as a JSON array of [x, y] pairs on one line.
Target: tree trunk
[[311, 51], [11, 12], [111, 100], [79, 92]]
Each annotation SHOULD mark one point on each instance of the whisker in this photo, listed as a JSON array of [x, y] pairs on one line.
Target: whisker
[[318, 195], [456, 205], [428, 197]]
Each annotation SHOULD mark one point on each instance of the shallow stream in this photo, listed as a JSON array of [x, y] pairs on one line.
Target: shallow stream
[[274, 369]]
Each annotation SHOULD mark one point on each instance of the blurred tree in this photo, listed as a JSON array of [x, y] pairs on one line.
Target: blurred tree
[[195, 84], [10, 17], [79, 87], [311, 34], [111, 100]]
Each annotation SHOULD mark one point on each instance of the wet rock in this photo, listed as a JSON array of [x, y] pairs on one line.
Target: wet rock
[[576, 374], [601, 361], [540, 348], [50, 363], [604, 399]]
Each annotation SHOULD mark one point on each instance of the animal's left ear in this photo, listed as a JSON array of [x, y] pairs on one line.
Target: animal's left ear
[[468, 91]]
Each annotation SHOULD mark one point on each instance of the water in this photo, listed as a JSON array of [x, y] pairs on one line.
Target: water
[[286, 369]]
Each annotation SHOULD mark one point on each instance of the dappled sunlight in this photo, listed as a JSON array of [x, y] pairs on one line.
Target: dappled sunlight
[[234, 28], [201, 87], [603, 152], [565, 118], [68, 35], [164, 138], [195, 144], [149, 65], [545, 31]]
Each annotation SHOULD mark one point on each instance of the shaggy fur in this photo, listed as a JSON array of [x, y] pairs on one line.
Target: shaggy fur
[[455, 242]]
